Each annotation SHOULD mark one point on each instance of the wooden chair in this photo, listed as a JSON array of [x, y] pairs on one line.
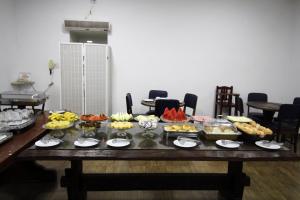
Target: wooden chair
[[161, 104], [190, 101], [223, 99]]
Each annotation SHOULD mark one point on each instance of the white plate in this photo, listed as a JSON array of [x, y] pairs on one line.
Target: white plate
[[185, 144], [228, 144], [267, 145], [47, 143], [86, 142], [148, 100], [118, 142]]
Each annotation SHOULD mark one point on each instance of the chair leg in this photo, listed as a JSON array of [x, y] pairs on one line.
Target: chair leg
[[216, 107], [295, 142]]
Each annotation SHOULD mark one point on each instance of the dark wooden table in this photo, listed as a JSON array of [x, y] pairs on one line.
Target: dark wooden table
[[268, 108], [159, 146], [20, 141]]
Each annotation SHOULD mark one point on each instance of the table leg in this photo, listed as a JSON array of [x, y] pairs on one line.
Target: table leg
[[268, 116], [75, 188], [236, 182]]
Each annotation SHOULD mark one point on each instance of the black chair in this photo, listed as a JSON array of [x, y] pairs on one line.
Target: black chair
[[240, 106], [161, 104], [287, 124], [157, 93], [190, 101], [129, 103], [296, 100], [254, 96]]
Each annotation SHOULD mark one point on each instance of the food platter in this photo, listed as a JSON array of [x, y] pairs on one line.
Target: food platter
[[252, 132], [219, 131], [48, 128], [179, 130], [241, 119], [172, 121], [18, 126]]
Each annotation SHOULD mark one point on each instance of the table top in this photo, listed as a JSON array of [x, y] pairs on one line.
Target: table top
[[20, 141], [144, 147], [268, 106], [152, 103]]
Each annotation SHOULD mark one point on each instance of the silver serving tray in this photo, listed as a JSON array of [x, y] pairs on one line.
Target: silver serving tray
[[31, 120]]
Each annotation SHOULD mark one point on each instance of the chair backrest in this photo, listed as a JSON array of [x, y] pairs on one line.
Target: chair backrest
[[296, 100], [157, 93], [161, 104], [224, 93], [289, 112], [254, 96], [129, 103], [240, 106], [190, 100]]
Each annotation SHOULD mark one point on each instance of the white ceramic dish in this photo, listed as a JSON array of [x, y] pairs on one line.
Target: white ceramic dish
[[268, 145], [228, 144], [118, 142], [48, 142], [86, 142], [185, 143]]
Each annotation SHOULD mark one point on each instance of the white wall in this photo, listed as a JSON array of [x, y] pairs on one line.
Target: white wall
[[296, 53], [8, 42], [177, 45]]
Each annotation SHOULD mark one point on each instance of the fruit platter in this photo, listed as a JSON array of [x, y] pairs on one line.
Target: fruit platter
[[58, 125], [146, 118], [174, 116], [121, 125], [66, 116], [185, 130], [253, 131], [94, 118], [121, 117]]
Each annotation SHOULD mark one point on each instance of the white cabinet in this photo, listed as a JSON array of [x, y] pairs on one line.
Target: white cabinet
[[85, 78]]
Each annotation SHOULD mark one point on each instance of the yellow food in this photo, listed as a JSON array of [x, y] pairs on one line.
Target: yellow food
[[253, 128], [181, 128], [121, 125], [58, 124], [66, 116]]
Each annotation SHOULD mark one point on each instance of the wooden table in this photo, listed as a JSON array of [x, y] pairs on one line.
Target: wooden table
[[156, 147], [268, 108], [20, 141]]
